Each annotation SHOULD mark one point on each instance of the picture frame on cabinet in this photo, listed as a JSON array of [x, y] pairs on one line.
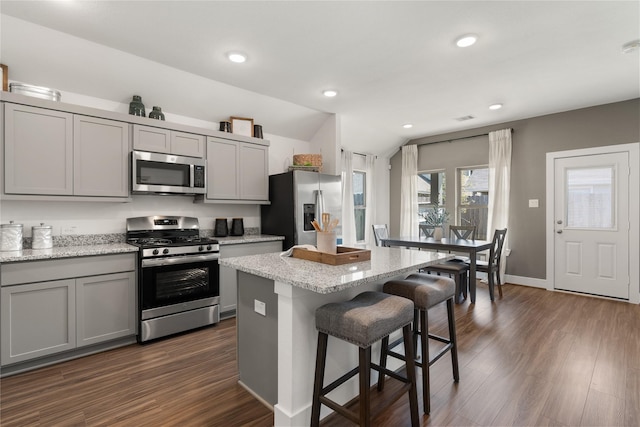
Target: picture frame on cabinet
[[4, 71], [241, 126]]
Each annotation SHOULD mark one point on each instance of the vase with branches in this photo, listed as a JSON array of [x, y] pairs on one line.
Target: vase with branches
[[437, 217]]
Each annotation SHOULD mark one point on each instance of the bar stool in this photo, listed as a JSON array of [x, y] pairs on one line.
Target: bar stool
[[425, 291], [363, 320]]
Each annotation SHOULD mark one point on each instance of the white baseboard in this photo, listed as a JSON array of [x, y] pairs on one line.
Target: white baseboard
[[526, 281]]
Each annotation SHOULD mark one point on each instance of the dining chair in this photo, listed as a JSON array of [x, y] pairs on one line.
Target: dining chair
[[380, 231], [492, 265], [427, 230], [467, 232]]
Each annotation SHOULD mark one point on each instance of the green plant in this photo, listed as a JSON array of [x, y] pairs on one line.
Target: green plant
[[435, 216]]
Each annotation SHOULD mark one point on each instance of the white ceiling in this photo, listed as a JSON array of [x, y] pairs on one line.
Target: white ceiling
[[393, 62]]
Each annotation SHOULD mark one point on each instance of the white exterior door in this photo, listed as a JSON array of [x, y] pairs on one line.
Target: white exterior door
[[591, 224]]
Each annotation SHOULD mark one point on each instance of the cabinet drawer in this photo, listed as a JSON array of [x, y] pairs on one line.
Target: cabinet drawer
[[54, 269]]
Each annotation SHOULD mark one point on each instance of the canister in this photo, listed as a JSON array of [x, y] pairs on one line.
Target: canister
[[11, 237], [42, 236]]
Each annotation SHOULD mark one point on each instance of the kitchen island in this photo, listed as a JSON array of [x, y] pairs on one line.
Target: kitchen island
[[277, 299]]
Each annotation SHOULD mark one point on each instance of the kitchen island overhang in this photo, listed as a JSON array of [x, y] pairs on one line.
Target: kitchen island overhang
[[277, 341]]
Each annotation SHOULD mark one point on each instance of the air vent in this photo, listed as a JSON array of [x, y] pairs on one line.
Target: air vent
[[463, 118]]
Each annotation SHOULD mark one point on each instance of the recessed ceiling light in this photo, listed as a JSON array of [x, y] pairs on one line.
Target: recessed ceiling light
[[495, 106], [631, 46], [466, 40], [407, 125], [329, 93], [237, 57]]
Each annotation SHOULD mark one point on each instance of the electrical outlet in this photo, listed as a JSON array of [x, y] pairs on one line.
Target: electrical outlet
[[66, 230], [533, 203], [260, 307]]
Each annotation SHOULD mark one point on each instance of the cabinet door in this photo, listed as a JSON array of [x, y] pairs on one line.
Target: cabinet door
[[187, 144], [228, 276], [106, 307], [38, 151], [222, 169], [38, 319], [147, 138], [101, 153], [254, 172]]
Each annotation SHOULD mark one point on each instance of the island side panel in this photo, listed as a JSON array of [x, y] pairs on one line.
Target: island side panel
[[258, 337]]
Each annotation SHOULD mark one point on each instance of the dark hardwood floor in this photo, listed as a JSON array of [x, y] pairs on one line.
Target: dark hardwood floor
[[532, 358]]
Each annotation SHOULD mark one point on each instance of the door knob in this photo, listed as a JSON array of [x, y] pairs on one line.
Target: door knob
[[559, 231], [559, 221]]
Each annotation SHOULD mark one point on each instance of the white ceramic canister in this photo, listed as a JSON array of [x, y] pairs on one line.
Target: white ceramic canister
[[11, 237], [42, 236]]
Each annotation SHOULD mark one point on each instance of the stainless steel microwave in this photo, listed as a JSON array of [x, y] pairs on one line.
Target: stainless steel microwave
[[166, 173]]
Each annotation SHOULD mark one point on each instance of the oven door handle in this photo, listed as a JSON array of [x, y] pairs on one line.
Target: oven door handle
[[158, 262]]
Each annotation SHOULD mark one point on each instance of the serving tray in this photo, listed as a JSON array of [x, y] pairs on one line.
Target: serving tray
[[345, 255]]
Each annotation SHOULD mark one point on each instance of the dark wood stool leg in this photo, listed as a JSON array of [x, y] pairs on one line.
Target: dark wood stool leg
[[365, 384], [453, 339], [383, 361], [491, 284], [416, 328], [424, 344], [499, 281], [411, 375], [321, 357]]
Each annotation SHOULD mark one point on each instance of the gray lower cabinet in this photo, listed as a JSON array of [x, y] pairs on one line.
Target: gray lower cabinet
[[50, 152], [228, 276], [105, 308], [38, 319], [89, 300], [237, 170], [158, 140]]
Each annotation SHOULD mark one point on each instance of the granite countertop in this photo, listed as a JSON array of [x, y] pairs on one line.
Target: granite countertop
[[323, 278], [91, 245], [66, 252]]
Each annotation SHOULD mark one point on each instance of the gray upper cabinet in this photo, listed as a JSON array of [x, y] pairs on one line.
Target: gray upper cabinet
[[158, 140], [52, 153], [101, 152], [237, 171], [38, 151]]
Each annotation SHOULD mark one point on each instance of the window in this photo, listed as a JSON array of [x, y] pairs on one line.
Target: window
[[473, 202], [359, 202], [431, 191]]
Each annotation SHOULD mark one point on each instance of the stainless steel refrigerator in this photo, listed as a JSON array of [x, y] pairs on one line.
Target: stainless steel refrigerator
[[297, 198]]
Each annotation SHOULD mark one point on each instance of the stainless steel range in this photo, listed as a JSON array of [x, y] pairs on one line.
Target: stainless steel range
[[178, 275]]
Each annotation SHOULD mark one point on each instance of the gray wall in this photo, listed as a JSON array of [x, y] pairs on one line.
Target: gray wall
[[610, 124]]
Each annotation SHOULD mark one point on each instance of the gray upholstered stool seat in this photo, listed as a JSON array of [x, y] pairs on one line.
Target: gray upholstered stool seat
[[426, 291], [363, 320]]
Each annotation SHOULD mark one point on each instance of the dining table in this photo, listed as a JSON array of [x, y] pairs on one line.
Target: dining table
[[471, 247]]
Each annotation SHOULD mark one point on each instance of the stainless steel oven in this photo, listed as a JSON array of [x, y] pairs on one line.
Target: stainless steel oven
[[178, 275]]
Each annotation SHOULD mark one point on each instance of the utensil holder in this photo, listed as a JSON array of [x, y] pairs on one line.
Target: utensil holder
[[221, 228], [326, 242]]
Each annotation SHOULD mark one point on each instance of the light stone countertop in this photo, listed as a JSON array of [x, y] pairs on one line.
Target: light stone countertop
[[66, 252], [101, 248], [324, 279]]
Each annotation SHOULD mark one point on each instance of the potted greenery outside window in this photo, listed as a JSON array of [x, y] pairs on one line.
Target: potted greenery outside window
[[437, 217]]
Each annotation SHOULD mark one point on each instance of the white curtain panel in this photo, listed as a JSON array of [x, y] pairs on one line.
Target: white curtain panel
[[409, 192], [348, 214], [370, 197], [499, 186]]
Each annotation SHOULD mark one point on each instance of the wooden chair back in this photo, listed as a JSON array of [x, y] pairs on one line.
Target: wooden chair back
[[427, 230], [380, 231], [467, 232], [495, 253]]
